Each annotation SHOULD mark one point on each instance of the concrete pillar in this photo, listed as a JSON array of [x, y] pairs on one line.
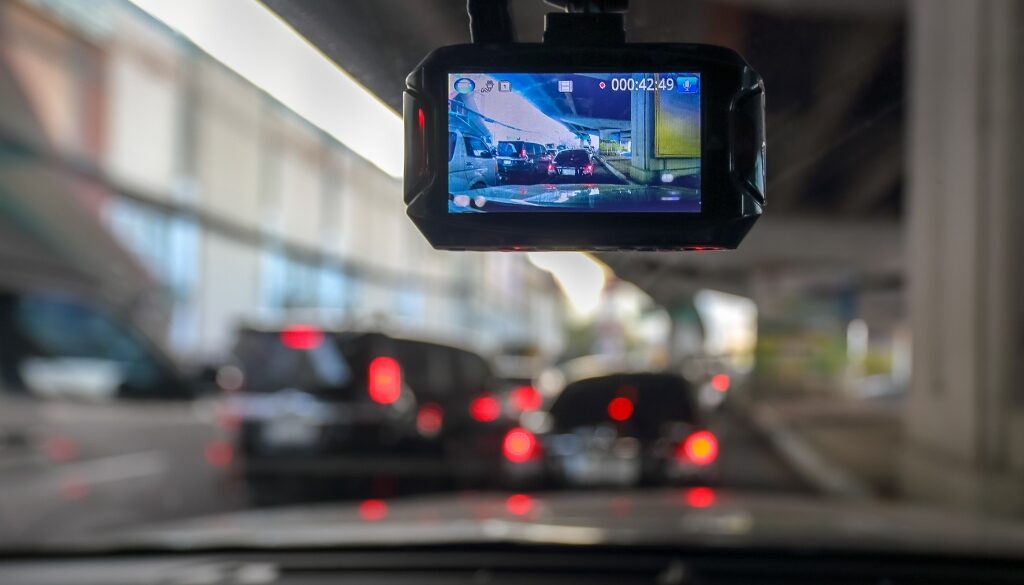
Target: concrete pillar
[[964, 439]]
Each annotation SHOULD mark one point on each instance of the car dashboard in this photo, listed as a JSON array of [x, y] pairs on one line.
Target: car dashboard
[[492, 564]]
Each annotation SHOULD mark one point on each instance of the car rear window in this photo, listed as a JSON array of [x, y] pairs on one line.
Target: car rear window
[[656, 399], [508, 149], [571, 156], [434, 372], [270, 366]]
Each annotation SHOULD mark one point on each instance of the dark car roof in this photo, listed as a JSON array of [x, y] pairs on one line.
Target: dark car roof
[[434, 370], [572, 155], [656, 398], [358, 333], [520, 142]]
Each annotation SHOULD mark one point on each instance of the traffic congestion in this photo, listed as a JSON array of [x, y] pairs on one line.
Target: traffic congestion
[[487, 291]]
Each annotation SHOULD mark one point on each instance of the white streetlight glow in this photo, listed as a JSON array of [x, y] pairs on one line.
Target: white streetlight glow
[[580, 277], [252, 41]]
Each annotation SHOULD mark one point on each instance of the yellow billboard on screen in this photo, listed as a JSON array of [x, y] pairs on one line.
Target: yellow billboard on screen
[[676, 124]]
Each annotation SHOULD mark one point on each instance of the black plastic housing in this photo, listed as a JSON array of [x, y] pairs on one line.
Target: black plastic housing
[[732, 152]]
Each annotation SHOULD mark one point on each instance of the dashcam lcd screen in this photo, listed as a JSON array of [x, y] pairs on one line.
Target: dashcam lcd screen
[[579, 142]]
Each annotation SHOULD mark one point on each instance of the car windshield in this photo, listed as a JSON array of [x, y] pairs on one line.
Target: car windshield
[[509, 148], [214, 305]]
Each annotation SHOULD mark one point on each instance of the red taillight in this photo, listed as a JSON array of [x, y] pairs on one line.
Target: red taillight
[[74, 487], [519, 504], [429, 419], [61, 449], [620, 409], [373, 510], [385, 380], [219, 453], [519, 445], [589, 168], [229, 418], [721, 382], [700, 497], [421, 118], [700, 448], [485, 408], [302, 337], [551, 167], [526, 398]]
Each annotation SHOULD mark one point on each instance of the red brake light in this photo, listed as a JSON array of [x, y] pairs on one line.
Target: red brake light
[[519, 504], [519, 445], [61, 449], [526, 398], [373, 510], [700, 448], [720, 382], [700, 497], [385, 380], [429, 419], [620, 409], [302, 337], [551, 167], [74, 487], [219, 453], [421, 118], [485, 408]]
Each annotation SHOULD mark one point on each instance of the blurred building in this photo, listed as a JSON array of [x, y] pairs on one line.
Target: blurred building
[[234, 208]]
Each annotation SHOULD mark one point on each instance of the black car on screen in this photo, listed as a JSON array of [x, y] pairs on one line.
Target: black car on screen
[[521, 160], [576, 162], [363, 409], [616, 430]]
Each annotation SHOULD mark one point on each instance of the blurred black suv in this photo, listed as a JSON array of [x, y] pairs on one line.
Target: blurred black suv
[[364, 408]]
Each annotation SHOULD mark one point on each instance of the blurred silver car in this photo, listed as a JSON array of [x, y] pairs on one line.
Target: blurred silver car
[[96, 423]]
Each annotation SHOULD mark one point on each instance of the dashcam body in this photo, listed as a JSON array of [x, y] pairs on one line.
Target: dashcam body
[[555, 147]]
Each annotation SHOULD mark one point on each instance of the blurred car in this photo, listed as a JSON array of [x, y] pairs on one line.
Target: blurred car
[[624, 429], [471, 161], [96, 423], [521, 159], [364, 405], [574, 162]]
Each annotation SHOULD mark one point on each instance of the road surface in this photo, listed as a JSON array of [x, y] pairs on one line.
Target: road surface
[[747, 460]]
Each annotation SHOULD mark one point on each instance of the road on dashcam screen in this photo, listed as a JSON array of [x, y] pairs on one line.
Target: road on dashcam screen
[[601, 176]]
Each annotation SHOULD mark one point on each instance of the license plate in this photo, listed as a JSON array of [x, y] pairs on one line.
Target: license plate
[[567, 171], [602, 470], [506, 162], [290, 433]]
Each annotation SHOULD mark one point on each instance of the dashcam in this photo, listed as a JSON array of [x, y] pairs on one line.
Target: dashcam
[[555, 147]]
